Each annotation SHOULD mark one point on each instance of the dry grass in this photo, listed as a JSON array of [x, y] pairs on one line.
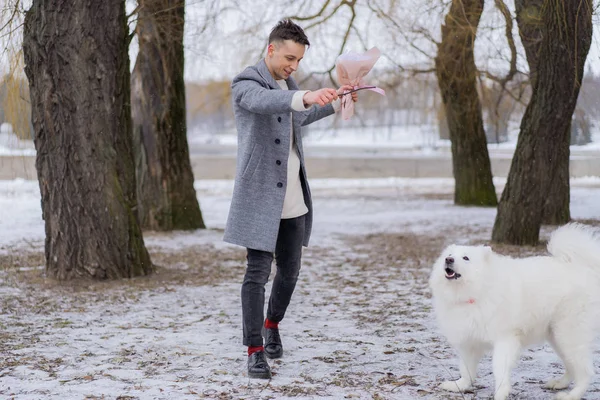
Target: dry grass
[[208, 265], [199, 265], [193, 266]]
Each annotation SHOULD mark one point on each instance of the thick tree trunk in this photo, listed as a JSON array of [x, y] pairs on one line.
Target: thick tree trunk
[[556, 209], [77, 63], [457, 78], [531, 30], [166, 196], [543, 145]]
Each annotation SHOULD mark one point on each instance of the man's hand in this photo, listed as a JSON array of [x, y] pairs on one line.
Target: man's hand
[[347, 88], [321, 97]]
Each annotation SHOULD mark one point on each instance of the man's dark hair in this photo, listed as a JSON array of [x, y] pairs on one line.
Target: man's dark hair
[[287, 30]]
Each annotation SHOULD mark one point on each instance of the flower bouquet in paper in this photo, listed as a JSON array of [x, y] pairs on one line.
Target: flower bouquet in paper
[[351, 68]]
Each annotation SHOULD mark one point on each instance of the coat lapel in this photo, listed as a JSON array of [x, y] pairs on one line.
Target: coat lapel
[[292, 84], [263, 71]]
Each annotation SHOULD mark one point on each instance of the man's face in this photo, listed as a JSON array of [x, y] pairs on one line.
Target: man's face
[[283, 58]]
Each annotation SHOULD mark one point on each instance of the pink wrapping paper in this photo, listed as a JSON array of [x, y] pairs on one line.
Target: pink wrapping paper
[[351, 68]]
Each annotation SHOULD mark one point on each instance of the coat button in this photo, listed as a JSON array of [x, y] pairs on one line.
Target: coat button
[[280, 185], [278, 119], [278, 162], [277, 141]]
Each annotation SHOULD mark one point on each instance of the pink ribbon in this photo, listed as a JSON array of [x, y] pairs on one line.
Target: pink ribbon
[[351, 68]]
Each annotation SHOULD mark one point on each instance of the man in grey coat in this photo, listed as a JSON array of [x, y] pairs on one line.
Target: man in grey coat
[[271, 208]]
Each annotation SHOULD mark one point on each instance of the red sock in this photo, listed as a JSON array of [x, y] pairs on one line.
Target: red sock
[[254, 349], [271, 325]]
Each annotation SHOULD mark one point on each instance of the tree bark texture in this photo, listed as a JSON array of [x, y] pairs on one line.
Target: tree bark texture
[[556, 209], [531, 32], [166, 196], [457, 78], [77, 64], [543, 146]]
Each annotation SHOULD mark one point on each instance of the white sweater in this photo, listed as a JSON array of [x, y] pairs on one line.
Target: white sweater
[[293, 203]]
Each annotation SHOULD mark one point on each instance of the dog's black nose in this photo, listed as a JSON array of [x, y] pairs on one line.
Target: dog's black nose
[[449, 260]]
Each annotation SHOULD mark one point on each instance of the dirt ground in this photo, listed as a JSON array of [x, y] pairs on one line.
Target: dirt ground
[[375, 283]]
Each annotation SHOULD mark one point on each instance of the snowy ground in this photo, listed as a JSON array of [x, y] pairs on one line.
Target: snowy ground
[[11, 145], [418, 139], [360, 324]]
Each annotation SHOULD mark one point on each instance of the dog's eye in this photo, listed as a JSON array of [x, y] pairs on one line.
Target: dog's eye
[[466, 258]]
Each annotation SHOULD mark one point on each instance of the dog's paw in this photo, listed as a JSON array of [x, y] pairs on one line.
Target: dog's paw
[[557, 384], [502, 392], [454, 386], [565, 396]]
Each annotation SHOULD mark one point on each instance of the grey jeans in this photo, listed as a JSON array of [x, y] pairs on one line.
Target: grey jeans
[[288, 254]]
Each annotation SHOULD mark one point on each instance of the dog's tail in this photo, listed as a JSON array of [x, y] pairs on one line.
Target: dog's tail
[[576, 243]]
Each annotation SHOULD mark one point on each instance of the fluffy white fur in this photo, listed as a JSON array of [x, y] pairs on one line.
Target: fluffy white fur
[[501, 304]]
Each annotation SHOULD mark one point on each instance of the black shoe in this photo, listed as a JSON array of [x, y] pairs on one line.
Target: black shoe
[[258, 366], [273, 346]]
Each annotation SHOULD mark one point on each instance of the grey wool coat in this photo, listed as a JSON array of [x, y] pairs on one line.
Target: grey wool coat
[[262, 115]]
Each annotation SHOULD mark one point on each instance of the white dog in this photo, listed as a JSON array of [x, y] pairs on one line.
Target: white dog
[[486, 301]]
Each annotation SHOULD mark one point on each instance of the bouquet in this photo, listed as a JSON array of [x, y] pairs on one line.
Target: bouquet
[[351, 68]]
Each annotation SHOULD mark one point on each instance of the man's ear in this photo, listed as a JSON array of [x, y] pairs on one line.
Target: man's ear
[[270, 49]]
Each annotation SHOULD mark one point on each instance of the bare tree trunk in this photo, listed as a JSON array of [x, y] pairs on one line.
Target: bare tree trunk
[[543, 145], [457, 78], [556, 210], [77, 64], [167, 199], [531, 30]]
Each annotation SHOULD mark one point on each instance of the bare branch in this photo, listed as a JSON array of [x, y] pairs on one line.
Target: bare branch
[[511, 41], [15, 11], [416, 71], [513, 63], [403, 32], [311, 17], [13, 29], [135, 11], [324, 18]]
